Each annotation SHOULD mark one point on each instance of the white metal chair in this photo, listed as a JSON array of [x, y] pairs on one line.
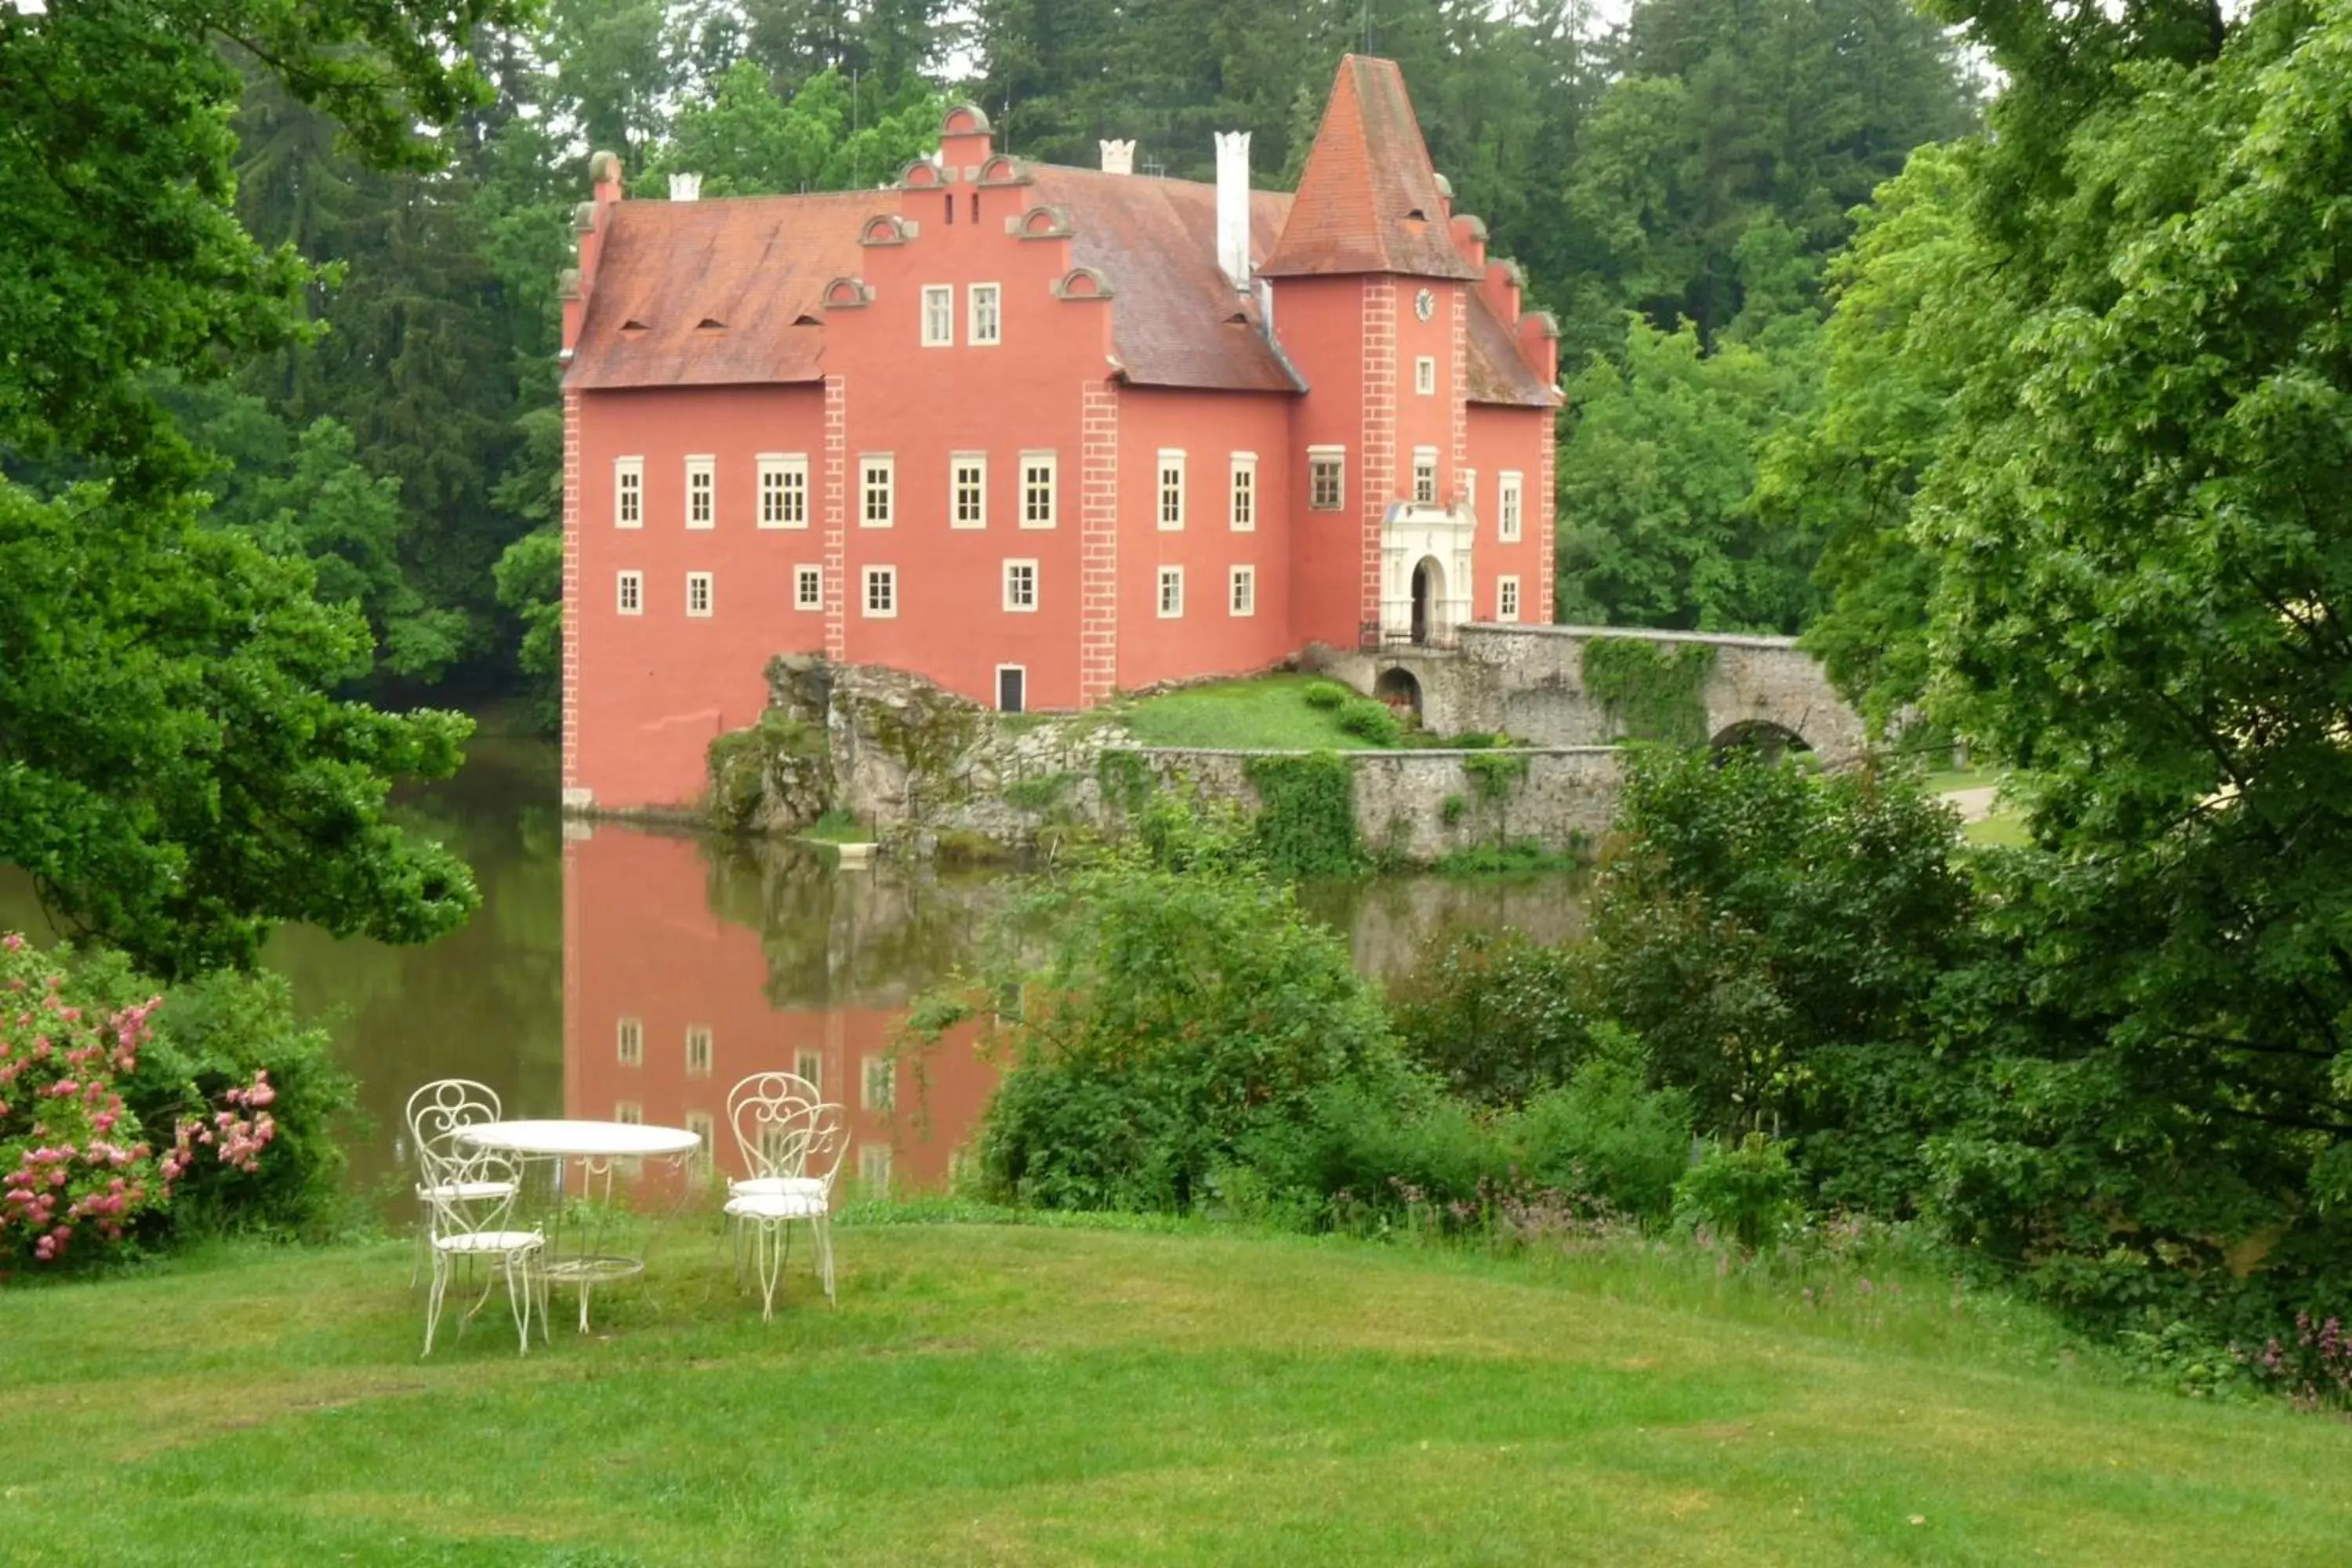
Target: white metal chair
[[473, 1204], [435, 1113], [768, 1112], [814, 1140]]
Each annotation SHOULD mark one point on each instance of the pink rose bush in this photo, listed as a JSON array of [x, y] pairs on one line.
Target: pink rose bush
[[76, 1166]]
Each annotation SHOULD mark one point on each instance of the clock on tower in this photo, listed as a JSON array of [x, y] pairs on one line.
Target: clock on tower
[[1424, 304]]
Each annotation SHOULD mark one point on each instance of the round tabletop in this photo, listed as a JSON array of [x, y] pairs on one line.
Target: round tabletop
[[610, 1140]]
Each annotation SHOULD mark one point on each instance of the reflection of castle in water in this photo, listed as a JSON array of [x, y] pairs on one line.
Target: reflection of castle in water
[[688, 966]]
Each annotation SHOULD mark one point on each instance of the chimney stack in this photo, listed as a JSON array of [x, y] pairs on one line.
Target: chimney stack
[[1233, 207], [1118, 157], [685, 187]]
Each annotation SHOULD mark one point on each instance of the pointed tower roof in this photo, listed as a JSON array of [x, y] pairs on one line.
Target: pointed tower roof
[[1368, 200]]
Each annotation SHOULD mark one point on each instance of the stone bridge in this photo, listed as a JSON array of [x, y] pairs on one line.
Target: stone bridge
[[1529, 681]]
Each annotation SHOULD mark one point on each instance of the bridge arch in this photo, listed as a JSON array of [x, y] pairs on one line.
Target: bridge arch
[[1767, 740]]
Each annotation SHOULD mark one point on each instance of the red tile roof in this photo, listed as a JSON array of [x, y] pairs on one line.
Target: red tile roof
[[1368, 201], [1497, 372]]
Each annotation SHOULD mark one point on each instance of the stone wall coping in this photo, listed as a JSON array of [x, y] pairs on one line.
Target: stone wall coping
[[1638, 634], [1372, 752]]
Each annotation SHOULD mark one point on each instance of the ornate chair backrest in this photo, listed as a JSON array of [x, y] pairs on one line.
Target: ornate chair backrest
[[489, 1175], [435, 1112], [827, 1141], [769, 1112]]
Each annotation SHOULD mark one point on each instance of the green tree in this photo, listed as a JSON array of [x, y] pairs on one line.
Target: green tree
[[747, 142]]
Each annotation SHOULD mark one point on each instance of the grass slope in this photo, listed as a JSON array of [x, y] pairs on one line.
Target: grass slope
[[1036, 1396], [1267, 710]]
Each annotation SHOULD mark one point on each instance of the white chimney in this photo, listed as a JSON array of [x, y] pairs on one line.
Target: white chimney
[[685, 187], [1118, 157], [1233, 205]]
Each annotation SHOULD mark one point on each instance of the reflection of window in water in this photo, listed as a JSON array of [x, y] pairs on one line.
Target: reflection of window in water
[[631, 1042], [1008, 1004], [698, 1122], [783, 1147], [810, 1065], [698, 1050], [880, 1089], [630, 1112], [874, 1167]]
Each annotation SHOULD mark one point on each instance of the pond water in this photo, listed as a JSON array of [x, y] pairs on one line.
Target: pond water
[[617, 972]]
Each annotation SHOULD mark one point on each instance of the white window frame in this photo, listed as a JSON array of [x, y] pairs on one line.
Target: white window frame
[[874, 1168], [957, 462], [1506, 598], [808, 574], [1171, 462], [1031, 462], [783, 495], [706, 581], [629, 1042], [704, 1127], [873, 1070], [698, 1034], [1241, 592], [810, 1065], [629, 594], [1012, 603], [629, 1112], [870, 464], [888, 577], [939, 298], [1171, 577], [1241, 493], [1510, 506], [702, 505], [1424, 375], [1336, 459], [628, 492], [984, 331], [1425, 462]]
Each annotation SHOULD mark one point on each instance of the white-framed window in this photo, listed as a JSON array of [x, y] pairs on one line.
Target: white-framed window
[[987, 314], [878, 490], [810, 1065], [628, 1112], [1425, 475], [1244, 597], [808, 587], [874, 1168], [783, 489], [701, 493], [1172, 489], [881, 592], [1037, 489], [697, 592], [1243, 513], [1172, 592], [631, 1042], [628, 492], [1424, 375], [1506, 598], [877, 1083], [632, 593], [968, 490], [939, 315], [704, 1127], [1508, 506], [1021, 585], [698, 1050], [1326, 478]]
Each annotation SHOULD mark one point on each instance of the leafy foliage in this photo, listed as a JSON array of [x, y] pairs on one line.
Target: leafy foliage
[[1498, 1018], [1305, 824], [1651, 690], [1747, 1193]]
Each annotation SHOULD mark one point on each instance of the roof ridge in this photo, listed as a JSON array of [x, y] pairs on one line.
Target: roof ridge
[[1368, 200]]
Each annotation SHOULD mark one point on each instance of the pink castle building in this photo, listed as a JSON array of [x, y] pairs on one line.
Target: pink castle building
[[1038, 434]]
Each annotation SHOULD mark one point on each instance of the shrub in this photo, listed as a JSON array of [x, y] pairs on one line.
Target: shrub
[[1608, 1136], [1307, 819], [1745, 1195], [1495, 1016], [1327, 694], [1370, 720]]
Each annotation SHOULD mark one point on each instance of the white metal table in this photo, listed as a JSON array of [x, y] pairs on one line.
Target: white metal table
[[598, 1146]]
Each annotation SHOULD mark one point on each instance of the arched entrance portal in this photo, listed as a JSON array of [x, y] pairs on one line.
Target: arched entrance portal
[[1766, 741], [1428, 595], [1398, 689]]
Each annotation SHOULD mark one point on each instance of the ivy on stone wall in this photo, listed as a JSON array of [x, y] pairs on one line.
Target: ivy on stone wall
[[780, 757], [1307, 819], [1651, 688]]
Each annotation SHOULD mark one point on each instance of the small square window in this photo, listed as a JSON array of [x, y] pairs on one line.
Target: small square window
[[987, 316], [1506, 598], [878, 1087], [698, 1050], [1172, 491], [628, 492], [1245, 591], [878, 490], [810, 1066], [631, 1042], [1425, 475], [701, 493], [1037, 490], [881, 592], [968, 491], [1244, 511], [1327, 469], [808, 587], [1021, 585], [1424, 375], [697, 592], [1171, 592], [631, 591], [784, 491], [939, 315], [1509, 508]]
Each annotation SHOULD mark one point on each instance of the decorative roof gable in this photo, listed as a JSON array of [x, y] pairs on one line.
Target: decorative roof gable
[[1369, 199]]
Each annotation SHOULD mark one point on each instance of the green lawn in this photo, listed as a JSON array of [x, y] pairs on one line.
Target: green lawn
[[1267, 710], [1052, 1396]]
